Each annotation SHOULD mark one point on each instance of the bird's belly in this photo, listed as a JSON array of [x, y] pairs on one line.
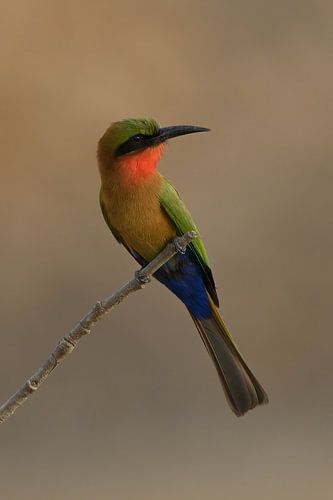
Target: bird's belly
[[148, 237], [143, 225]]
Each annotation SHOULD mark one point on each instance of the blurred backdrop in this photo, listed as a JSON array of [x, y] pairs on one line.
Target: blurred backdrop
[[137, 412]]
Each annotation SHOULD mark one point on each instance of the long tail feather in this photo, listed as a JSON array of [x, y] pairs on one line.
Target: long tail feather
[[241, 388]]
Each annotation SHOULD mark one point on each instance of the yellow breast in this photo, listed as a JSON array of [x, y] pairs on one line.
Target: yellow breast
[[137, 216]]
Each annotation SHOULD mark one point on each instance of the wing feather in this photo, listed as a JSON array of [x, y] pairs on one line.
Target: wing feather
[[173, 205]]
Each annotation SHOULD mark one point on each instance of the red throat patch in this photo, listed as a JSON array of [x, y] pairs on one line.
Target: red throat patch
[[136, 167]]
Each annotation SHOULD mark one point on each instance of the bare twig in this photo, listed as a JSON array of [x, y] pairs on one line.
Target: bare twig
[[83, 327]]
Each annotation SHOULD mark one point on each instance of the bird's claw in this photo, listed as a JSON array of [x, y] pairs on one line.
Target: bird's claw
[[179, 247], [143, 280]]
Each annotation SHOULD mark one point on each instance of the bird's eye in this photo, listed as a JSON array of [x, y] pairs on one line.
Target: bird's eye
[[137, 138]]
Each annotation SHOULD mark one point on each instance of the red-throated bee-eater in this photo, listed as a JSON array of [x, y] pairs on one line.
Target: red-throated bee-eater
[[144, 212]]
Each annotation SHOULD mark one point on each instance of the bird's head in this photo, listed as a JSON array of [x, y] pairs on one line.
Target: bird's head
[[135, 145]]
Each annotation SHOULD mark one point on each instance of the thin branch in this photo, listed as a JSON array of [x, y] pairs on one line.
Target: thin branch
[[68, 343]]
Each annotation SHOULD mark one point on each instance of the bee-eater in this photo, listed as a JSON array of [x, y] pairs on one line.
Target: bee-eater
[[144, 212]]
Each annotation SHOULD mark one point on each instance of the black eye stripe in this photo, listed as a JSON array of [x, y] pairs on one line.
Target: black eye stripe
[[136, 142], [137, 138]]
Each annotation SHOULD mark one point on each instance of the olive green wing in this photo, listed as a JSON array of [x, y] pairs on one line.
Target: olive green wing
[[173, 205]]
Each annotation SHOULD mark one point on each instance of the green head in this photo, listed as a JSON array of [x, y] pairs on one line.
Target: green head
[[135, 134]]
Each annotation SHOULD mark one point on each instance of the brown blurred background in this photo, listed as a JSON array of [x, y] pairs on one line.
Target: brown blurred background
[[137, 412]]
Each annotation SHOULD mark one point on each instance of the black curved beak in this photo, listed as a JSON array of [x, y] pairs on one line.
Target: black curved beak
[[166, 133], [162, 135]]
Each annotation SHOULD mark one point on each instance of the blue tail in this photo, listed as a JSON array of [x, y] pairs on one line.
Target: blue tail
[[183, 276]]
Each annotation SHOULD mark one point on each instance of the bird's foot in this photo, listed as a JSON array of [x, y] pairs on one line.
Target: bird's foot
[[179, 247], [142, 279]]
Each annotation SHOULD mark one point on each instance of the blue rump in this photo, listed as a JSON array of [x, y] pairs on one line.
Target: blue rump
[[183, 276]]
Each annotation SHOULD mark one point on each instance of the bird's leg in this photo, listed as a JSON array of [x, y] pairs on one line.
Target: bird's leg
[[141, 278], [181, 248]]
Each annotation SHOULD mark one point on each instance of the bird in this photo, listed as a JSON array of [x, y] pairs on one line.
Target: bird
[[144, 212]]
